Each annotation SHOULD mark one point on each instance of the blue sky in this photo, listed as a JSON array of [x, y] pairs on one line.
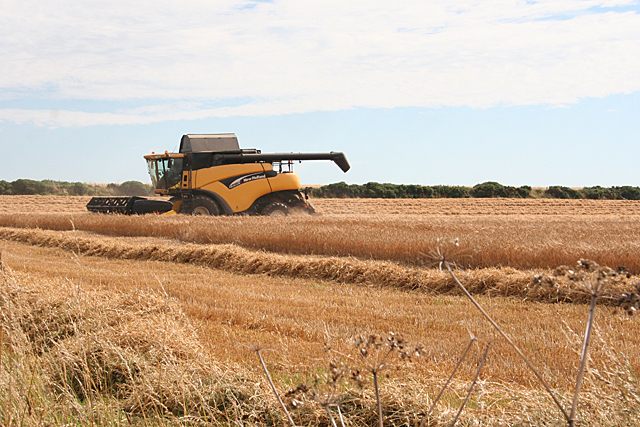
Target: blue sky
[[422, 92]]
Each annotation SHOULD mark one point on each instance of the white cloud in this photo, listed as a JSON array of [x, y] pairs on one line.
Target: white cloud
[[290, 56]]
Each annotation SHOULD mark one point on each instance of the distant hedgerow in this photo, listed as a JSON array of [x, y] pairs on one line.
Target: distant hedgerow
[[341, 190], [63, 188], [559, 192], [488, 189], [494, 189]]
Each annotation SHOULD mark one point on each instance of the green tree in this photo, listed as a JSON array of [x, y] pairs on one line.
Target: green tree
[[78, 189], [452, 192], [134, 188], [28, 187], [5, 188], [489, 189], [559, 192], [524, 191], [628, 193], [338, 190]]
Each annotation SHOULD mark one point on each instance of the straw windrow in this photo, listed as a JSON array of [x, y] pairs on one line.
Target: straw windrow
[[490, 281]]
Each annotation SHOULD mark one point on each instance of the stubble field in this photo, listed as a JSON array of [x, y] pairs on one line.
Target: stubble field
[[300, 285]]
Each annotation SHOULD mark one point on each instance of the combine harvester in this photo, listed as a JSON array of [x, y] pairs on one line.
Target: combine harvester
[[211, 175]]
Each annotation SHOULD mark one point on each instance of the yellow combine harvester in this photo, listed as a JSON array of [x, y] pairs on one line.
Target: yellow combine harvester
[[211, 175]]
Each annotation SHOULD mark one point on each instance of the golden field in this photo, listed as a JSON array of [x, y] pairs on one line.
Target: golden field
[[494, 233], [377, 207], [173, 305]]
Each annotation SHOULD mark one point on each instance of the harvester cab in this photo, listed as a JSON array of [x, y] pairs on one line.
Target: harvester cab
[[165, 171], [211, 175]]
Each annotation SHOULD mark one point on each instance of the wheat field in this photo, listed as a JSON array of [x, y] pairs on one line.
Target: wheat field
[[494, 233], [381, 207], [184, 300]]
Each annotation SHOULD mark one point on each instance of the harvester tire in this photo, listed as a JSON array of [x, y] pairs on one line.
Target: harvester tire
[[276, 209], [203, 205]]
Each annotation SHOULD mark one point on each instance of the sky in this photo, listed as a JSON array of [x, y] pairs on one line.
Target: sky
[[413, 91]]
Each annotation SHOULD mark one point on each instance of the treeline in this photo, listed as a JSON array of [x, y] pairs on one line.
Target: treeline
[[484, 190], [340, 190], [63, 188]]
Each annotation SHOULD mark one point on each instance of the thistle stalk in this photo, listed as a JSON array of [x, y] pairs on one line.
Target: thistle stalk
[[446, 384], [273, 387], [330, 415], [511, 343], [583, 358], [475, 379], [375, 384]]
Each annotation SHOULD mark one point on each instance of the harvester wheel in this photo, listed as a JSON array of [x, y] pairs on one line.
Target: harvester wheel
[[276, 209], [203, 205]]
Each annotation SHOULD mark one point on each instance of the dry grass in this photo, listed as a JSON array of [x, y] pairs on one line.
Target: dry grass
[[518, 241], [120, 305], [475, 207], [31, 204], [50, 204], [74, 355], [381, 207], [154, 293], [488, 281]]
